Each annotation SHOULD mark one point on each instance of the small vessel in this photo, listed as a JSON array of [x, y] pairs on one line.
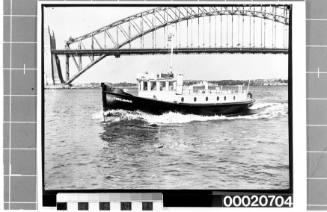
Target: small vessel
[[167, 92]]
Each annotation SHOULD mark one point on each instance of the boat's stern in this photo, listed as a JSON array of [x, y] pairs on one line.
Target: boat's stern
[[251, 99]]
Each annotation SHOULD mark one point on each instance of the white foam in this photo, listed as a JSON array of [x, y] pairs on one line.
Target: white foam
[[97, 115], [262, 105], [259, 110]]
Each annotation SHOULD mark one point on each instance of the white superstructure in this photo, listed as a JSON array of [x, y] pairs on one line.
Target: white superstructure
[[170, 88]]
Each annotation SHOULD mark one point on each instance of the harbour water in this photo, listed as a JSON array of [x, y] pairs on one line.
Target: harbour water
[[135, 150]]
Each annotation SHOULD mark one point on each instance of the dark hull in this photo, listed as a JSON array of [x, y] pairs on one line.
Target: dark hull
[[114, 98]]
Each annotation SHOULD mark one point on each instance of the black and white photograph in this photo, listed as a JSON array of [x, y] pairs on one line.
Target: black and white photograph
[[172, 97]]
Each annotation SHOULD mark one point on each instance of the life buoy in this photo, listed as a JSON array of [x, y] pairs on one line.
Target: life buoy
[[250, 95]]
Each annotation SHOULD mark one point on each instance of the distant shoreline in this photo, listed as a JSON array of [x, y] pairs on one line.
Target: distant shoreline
[[257, 82]]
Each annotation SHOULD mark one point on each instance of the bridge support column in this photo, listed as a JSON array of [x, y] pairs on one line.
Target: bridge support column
[[67, 67], [80, 58]]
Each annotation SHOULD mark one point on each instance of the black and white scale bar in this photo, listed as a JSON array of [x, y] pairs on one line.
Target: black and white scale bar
[[110, 201]]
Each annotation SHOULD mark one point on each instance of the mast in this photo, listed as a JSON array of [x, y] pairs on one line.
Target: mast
[[170, 40], [247, 90]]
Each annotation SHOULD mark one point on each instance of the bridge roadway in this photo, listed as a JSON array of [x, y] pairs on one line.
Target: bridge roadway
[[146, 51]]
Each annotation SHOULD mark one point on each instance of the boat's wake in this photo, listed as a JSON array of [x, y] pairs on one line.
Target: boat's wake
[[257, 111]]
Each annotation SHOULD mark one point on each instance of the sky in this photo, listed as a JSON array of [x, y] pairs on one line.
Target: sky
[[77, 21]]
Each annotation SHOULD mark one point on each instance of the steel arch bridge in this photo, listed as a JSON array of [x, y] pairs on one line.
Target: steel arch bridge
[[255, 29]]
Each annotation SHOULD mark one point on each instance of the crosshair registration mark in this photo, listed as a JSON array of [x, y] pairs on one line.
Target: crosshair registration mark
[[258, 201]]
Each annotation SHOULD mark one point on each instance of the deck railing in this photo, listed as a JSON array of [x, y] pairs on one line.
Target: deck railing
[[218, 90]]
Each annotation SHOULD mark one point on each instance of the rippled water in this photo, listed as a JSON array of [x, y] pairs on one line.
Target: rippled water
[[135, 150]]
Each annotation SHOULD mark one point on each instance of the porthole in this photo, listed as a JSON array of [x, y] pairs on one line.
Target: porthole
[[182, 99], [104, 206], [217, 98], [147, 206], [207, 98], [125, 206], [225, 98], [195, 99], [83, 206], [234, 97]]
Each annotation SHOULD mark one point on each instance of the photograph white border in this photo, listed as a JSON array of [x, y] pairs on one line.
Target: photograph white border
[[299, 98]]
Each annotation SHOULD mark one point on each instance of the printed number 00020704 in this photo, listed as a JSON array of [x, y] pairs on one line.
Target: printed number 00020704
[[257, 201]]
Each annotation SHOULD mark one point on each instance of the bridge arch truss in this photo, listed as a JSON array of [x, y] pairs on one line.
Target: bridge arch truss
[[196, 29]]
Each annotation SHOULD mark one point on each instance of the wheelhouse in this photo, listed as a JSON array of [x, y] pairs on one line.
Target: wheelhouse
[[164, 82]]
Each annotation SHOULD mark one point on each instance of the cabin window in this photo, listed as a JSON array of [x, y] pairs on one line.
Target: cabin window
[[145, 86], [182, 99], [217, 98], [162, 86], [195, 99], [153, 86], [171, 86], [225, 98], [234, 97], [206, 98]]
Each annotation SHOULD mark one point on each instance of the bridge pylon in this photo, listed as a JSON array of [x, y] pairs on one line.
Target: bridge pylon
[[55, 62]]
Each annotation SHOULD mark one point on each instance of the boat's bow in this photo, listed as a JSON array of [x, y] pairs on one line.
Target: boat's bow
[[111, 94]]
